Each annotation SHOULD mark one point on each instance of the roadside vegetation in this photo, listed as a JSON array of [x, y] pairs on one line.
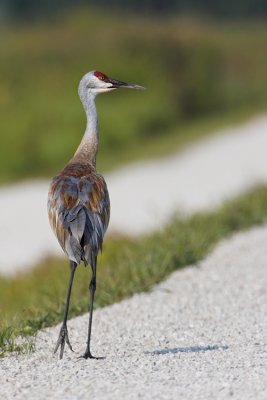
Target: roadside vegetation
[[36, 299], [200, 76]]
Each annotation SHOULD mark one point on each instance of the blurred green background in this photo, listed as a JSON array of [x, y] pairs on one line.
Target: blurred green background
[[204, 64]]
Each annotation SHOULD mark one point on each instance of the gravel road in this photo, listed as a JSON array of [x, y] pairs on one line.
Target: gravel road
[[201, 334], [143, 195]]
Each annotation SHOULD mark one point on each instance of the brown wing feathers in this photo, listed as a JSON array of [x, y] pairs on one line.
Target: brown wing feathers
[[78, 207]]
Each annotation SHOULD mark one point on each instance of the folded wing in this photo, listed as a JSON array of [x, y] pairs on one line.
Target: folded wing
[[79, 210]]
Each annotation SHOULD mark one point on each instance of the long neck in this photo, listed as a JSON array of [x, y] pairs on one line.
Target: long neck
[[88, 147]]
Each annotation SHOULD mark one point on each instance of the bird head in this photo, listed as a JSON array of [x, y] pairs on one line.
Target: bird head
[[96, 82]]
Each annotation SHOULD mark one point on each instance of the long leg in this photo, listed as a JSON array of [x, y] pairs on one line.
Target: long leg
[[63, 334], [92, 288]]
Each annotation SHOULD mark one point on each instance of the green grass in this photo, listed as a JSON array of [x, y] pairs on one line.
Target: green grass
[[199, 76], [36, 299]]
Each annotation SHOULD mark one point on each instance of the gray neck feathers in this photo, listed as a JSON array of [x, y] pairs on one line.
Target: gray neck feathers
[[88, 147]]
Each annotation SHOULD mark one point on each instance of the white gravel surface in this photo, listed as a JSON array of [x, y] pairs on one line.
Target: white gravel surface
[[201, 334], [143, 195]]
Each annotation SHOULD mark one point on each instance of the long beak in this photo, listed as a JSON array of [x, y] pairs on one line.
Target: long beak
[[119, 84]]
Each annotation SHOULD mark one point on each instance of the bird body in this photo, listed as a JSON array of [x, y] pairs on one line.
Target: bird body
[[79, 210], [78, 199]]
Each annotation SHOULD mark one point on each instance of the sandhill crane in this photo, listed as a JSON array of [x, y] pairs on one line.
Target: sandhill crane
[[78, 199]]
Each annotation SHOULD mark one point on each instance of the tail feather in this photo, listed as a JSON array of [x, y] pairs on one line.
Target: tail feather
[[85, 235], [77, 226], [73, 249]]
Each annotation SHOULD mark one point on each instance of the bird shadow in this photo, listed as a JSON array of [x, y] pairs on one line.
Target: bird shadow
[[189, 349]]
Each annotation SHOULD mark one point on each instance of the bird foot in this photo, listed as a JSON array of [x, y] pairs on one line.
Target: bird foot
[[62, 339], [88, 354]]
